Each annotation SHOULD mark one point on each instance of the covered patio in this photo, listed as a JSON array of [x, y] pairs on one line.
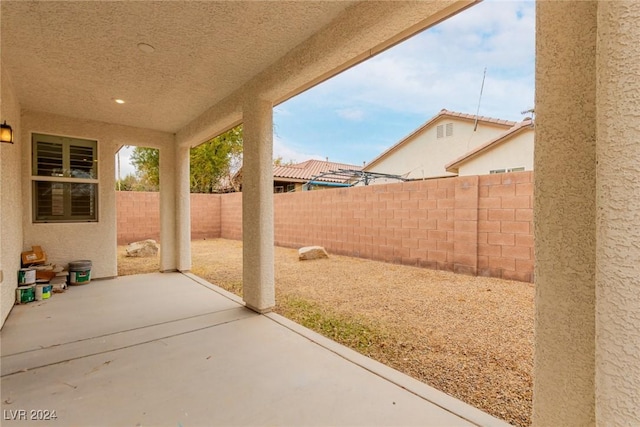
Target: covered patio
[[172, 349], [171, 75]]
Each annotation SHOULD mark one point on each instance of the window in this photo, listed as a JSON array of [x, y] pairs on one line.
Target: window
[[64, 177], [279, 189], [291, 187], [519, 169]]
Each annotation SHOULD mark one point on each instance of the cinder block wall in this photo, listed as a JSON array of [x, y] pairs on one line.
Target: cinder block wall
[[478, 225], [231, 216], [205, 216], [138, 216], [505, 226]]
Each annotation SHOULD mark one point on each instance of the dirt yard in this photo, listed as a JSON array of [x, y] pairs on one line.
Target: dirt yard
[[470, 337]]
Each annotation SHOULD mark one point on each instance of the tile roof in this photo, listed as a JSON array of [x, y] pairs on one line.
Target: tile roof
[[486, 119], [525, 124], [443, 113], [307, 170]]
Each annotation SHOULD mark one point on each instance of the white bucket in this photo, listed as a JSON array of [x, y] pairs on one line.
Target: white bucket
[[26, 276], [79, 272]]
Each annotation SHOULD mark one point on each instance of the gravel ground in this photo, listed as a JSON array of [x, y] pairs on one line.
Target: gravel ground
[[471, 337]]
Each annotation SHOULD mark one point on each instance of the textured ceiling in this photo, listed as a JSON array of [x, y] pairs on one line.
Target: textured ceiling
[[74, 58]]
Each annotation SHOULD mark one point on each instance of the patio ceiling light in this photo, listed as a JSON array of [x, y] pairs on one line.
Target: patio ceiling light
[[119, 101], [6, 133]]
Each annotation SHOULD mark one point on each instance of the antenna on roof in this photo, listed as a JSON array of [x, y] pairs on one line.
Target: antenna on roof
[[475, 125], [531, 111]]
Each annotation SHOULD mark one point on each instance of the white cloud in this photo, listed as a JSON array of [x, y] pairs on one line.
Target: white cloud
[[443, 68], [126, 167], [281, 111], [353, 114], [289, 151]]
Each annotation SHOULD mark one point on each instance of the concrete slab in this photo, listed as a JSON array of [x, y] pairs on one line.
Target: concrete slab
[[226, 367], [103, 307]]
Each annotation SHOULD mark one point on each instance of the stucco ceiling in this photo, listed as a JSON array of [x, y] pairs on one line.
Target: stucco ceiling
[[75, 58]]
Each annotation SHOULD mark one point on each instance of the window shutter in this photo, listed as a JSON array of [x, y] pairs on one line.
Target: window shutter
[[49, 159], [449, 129], [81, 161]]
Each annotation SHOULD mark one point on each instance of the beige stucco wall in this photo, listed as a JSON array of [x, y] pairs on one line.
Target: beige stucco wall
[[513, 153], [425, 155], [564, 214], [95, 241], [618, 222], [11, 211]]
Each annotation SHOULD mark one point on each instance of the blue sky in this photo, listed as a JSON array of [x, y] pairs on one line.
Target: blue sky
[[358, 114], [355, 116]]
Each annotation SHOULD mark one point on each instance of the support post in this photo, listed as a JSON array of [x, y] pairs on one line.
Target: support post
[[168, 247], [183, 209], [565, 214], [257, 206]]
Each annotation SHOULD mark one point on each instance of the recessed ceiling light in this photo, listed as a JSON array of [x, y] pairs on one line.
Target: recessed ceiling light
[[119, 101], [146, 48]]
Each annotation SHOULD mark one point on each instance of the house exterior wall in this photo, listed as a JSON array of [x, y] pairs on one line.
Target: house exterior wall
[[95, 241], [425, 155], [11, 210], [617, 382], [514, 153]]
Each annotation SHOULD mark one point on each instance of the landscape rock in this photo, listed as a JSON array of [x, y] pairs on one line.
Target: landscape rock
[[143, 248], [312, 252]]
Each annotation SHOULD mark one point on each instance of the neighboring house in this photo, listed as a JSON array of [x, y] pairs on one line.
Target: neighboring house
[[510, 152], [443, 138], [293, 177]]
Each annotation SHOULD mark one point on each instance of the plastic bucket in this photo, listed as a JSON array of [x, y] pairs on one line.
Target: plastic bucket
[[25, 294], [79, 272], [43, 292], [46, 291], [26, 276]]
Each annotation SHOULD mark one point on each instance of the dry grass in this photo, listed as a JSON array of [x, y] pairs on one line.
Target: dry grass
[[470, 337]]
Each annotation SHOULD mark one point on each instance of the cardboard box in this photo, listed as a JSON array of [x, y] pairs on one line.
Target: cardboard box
[[35, 256]]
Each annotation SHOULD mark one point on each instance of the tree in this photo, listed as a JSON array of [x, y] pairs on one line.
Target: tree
[[128, 183], [278, 161], [147, 164], [213, 164]]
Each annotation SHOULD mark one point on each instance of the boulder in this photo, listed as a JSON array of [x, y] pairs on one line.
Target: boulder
[[143, 248], [312, 252]]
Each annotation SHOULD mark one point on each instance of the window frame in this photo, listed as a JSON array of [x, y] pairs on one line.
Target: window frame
[[65, 177]]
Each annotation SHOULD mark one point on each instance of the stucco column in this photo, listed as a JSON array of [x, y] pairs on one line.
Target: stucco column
[[257, 206], [618, 217], [183, 209], [565, 214], [168, 227]]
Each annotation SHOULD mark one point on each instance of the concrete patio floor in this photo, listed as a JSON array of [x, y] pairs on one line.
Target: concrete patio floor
[[172, 349]]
